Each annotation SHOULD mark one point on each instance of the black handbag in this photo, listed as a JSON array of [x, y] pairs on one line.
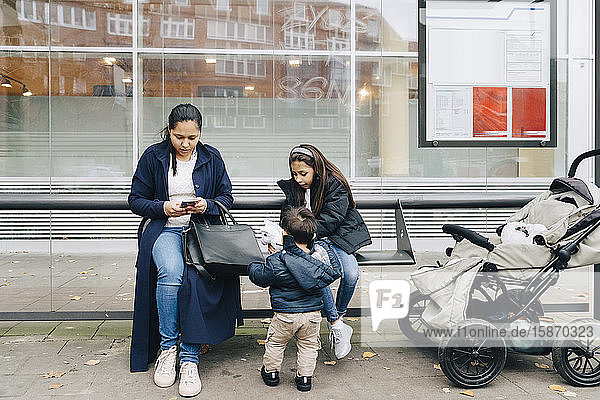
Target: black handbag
[[220, 250]]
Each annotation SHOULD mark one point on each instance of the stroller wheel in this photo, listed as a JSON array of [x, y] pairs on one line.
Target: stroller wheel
[[412, 326], [577, 360], [473, 355]]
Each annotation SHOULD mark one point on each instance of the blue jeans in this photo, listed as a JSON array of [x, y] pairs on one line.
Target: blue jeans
[[168, 257], [335, 310]]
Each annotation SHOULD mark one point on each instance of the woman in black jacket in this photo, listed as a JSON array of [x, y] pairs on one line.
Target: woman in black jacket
[[320, 186]]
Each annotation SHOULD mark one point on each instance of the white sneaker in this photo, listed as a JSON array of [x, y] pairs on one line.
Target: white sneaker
[[164, 372], [339, 339], [189, 380]]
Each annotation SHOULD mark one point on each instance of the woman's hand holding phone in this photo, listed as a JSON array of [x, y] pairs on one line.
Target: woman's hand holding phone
[[198, 207], [174, 209]]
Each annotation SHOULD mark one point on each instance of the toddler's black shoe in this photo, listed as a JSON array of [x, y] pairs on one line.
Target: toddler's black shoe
[[303, 383], [269, 378]]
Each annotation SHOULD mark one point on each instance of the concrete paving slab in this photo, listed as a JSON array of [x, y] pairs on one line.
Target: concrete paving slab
[[15, 386], [31, 328], [74, 384], [75, 330], [113, 329]]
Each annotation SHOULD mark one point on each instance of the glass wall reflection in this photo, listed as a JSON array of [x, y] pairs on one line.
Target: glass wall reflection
[[85, 90], [92, 115]]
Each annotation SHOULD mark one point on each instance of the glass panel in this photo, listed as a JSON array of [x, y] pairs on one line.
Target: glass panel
[[91, 115], [312, 25], [24, 23], [24, 164], [312, 103], [88, 23], [225, 24], [24, 126], [368, 24], [399, 25], [234, 94], [393, 29], [385, 117]]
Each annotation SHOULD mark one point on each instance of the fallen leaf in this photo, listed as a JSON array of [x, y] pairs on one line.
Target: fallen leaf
[[542, 365], [76, 298], [90, 268], [15, 262], [332, 362], [581, 295], [368, 354], [468, 393], [82, 272], [446, 390], [243, 359], [10, 270], [352, 319], [260, 341], [106, 277], [92, 362], [91, 292], [437, 366], [4, 284], [113, 264], [569, 394], [72, 261], [557, 388], [55, 386], [54, 374], [387, 368]]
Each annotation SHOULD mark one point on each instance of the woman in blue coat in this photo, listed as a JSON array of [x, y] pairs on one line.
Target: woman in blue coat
[[173, 301]]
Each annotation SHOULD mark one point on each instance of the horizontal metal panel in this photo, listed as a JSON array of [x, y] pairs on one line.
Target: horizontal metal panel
[[111, 224]]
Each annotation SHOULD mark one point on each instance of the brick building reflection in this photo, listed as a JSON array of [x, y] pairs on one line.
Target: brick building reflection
[[188, 24]]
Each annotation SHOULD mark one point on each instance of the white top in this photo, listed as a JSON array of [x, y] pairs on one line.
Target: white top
[[181, 187], [307, 198]]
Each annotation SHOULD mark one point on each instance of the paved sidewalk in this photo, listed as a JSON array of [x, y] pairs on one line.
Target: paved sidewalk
[[30, 350]]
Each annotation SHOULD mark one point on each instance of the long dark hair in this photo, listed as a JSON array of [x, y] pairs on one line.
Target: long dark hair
[[180, 113], [322, 167]]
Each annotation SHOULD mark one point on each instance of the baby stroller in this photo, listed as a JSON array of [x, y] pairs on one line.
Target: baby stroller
[[485, 300]]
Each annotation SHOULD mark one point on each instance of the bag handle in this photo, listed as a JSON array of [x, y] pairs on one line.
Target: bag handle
[[223, 212]]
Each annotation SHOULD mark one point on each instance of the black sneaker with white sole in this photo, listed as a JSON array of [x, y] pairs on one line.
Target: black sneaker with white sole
[[303, 383], [270, 378]]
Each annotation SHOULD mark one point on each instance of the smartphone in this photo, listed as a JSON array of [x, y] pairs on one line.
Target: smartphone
[[191, 203]]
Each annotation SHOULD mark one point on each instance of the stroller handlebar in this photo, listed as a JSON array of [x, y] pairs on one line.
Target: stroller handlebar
[[580, 158], [458, 233]]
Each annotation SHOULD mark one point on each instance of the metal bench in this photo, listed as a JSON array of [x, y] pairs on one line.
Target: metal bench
[[402, 255]]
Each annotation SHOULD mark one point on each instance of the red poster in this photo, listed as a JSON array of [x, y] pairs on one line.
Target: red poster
[[489, 111], [529, 112]]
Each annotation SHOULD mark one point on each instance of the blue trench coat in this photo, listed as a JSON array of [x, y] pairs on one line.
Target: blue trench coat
[[208, 311]]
